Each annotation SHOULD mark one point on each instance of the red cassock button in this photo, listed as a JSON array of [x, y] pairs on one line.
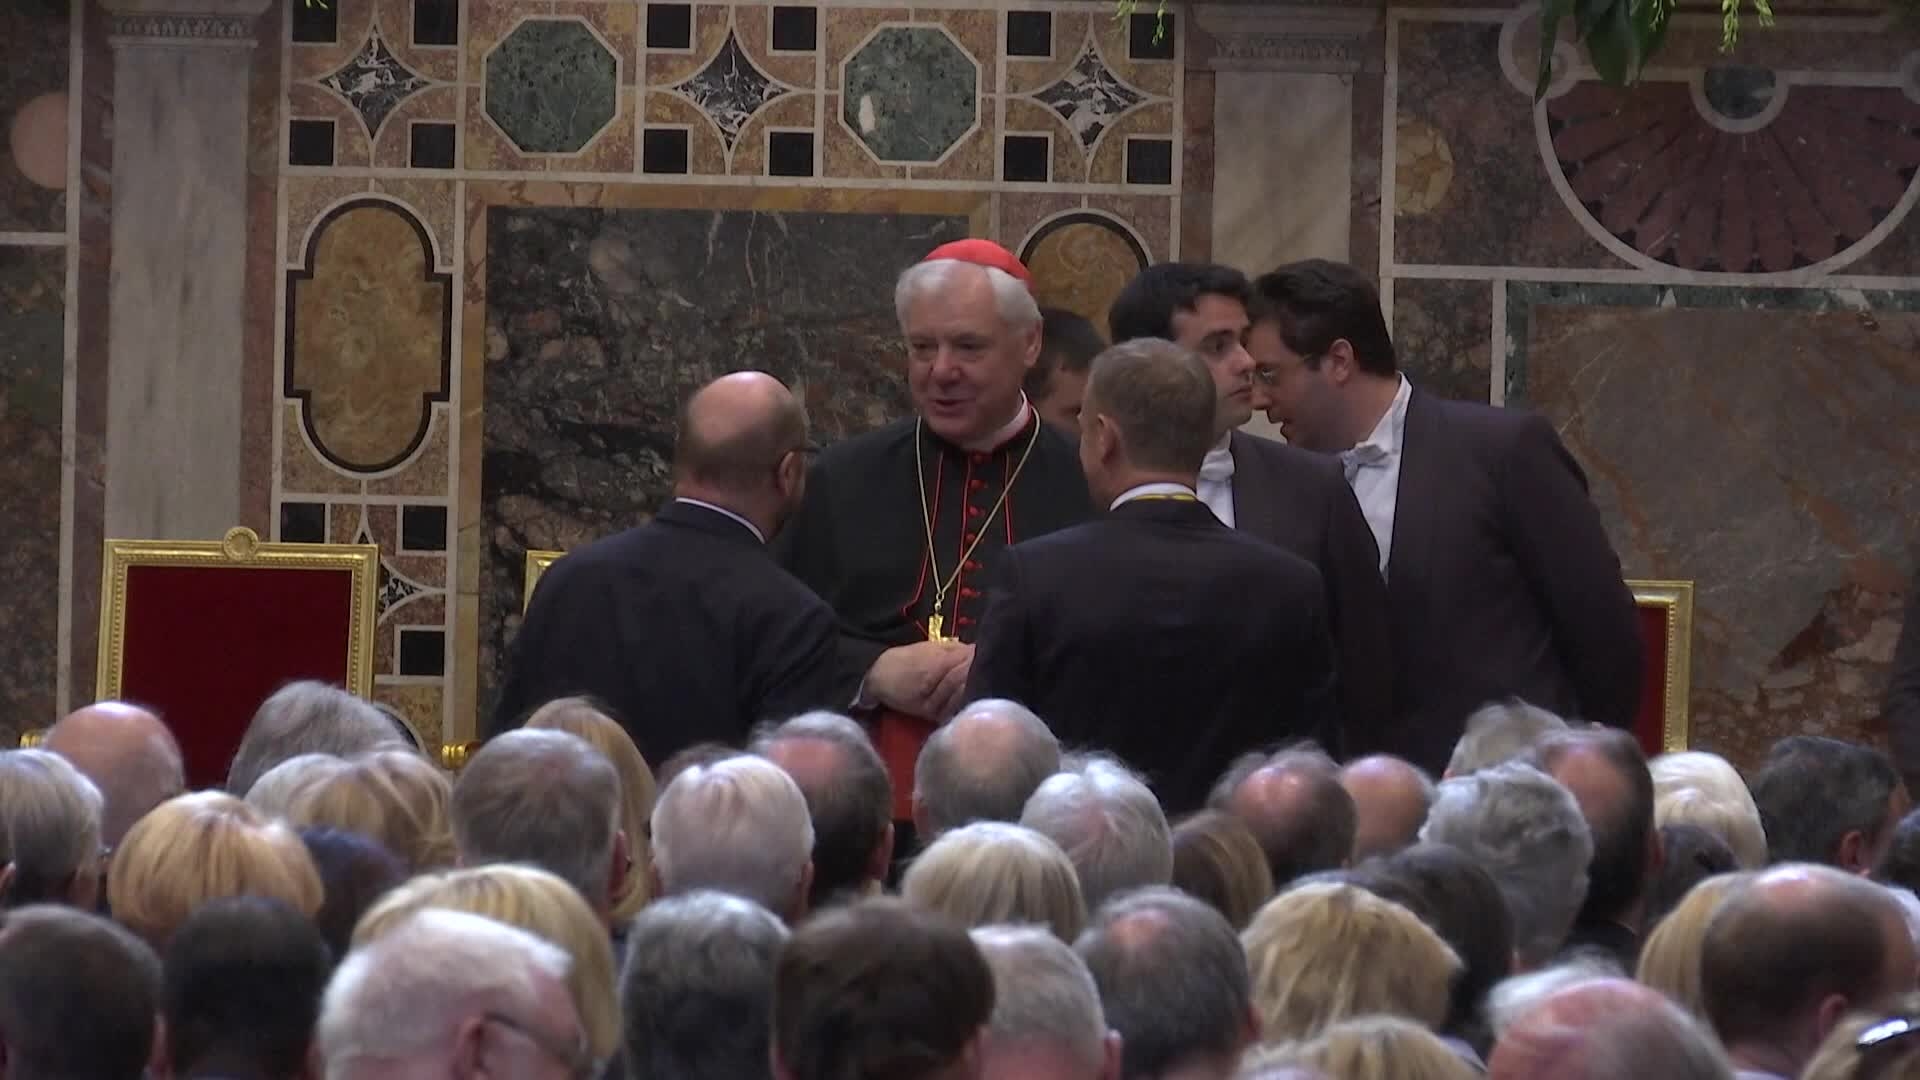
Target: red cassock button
[[973, 564], [970, 537], [965, 621], [976, 485], [974, 511], [979, 459], [968, 594]]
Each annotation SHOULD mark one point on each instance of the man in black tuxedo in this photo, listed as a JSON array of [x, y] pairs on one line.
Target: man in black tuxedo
[[685, 626], [1500, 578], [1272, 491], [1156, 632]]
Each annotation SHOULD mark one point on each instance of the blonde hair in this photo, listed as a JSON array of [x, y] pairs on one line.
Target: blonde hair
[[1217, 858], [276, 789], [393, 796], [1839, 1057], [579, 717], [1324, 952], [991, 872], [205, 846], [1369, 1048], [1670, 959], [536, 901], [1697, 788]]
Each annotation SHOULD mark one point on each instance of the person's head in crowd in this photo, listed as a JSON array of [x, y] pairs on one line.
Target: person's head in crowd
[[1216, 858], [700, 753], [549, 799], [1047, 1021], [1500, 732], [742, 444], [1790, 953], [1605, 771], [1203, 308], [1670, 959], [738, 826], [1878, 1044], [1173, 983], [972, 331], [1058, 380], [1390, 800], [1325, 363], [1693, 787], [273, 794], [1900, 865], [1294, 803], [308, 717], [587, 719], [355, 872], [79, 996], [1516, 995], [1827, 801], [200, 847], [129, 755], [242, 984], [49, 831], [982, 765], [1689, 856], [1606, 1029], [1525, 830], [848, 797], [1324, 952], [533, 900], [1109, 824], [1369, 1048], [697, 990], [875, 989], [447, 993], [394, 796], [990, 872], [1450, 892], [1148, 418]]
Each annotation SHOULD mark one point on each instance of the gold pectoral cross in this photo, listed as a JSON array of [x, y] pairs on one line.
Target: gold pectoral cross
[[935, 624]]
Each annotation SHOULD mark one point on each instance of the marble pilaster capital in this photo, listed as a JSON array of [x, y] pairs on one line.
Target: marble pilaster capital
[[207, 23], [1328, 37]]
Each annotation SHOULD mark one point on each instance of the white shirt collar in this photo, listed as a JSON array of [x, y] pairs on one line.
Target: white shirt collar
[[1139, 490], [1007, 431], [1382, 445], [704, 505]]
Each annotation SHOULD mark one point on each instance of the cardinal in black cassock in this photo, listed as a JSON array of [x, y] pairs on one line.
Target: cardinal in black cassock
[[902, 528]]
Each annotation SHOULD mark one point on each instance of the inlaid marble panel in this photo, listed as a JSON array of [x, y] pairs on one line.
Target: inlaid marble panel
[[33, 115], [32, 343]]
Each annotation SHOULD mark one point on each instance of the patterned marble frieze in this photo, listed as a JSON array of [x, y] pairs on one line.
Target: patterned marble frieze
[[552, 86], [32, 345], [911, 93], [374, 82], [1723, 447], [33, 115], [730, 89], [1089, 97]]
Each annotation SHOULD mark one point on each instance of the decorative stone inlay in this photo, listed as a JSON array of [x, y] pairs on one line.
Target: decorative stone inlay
[[395, 589], [730, 89], [232, 30], [552, 86], [374, 82], [1090, 97], [911, 93], [1327, 38]]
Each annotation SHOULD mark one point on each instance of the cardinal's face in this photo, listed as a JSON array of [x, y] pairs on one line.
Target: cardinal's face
[[965, 365]]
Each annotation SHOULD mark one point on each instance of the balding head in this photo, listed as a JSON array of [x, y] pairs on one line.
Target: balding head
[[1606, 1029], [1390, 800], [983, 765], [742, 445], [128, 754], [848, 795], [1293, 802], [1606, 773]]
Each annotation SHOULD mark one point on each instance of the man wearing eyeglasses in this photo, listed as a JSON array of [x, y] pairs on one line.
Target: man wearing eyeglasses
[[1288, 497], [685, 625]]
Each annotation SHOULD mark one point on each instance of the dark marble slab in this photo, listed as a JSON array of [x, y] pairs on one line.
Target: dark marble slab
[[911, 93], [600, 322], [1443, 335], [1762, 444], [551, 86], [33, 62], [32, 345]]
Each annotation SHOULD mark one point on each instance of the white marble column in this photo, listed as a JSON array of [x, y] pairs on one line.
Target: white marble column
[[181, 72]]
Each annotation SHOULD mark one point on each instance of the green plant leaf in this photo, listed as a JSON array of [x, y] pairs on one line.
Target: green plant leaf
[[1614, 48], [1651, 18], [1551, 13]]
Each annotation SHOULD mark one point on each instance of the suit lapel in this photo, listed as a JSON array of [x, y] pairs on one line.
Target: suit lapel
[[1413, 507], [1254, 509]]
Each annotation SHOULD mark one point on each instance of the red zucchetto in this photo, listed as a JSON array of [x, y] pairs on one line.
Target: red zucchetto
[[982, 253]]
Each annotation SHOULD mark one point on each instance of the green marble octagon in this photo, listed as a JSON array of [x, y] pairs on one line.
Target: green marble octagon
[[911, 93], [552, 86]]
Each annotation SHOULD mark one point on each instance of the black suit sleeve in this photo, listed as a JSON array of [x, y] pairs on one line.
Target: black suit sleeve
[[530, 672], [1361, 628], [1320, 706], [1557, 538], [1903, 692], [807, 547], [798, 665], [1002, 656]]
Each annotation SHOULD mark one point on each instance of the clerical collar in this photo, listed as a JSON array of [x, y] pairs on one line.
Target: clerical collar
[[723, 511], [1154, 491], [1006, 433]]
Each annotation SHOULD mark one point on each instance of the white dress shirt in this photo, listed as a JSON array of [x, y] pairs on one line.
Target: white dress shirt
[[1216, 480], [1373, 469], [755, 529], [1140, 490]]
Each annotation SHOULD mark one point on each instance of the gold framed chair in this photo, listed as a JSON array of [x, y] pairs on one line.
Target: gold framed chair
[[1666, 627], [204, 631], [537, 564]]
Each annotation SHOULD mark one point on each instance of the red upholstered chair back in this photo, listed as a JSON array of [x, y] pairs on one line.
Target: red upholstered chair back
[[204, 632], [1666, 629]]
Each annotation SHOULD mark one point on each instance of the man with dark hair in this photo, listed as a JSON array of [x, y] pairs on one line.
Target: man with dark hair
[[1606, 772], [1157, 610], [1500, 578], [848, 797], [1285, 496], [1787, 957], [1295, 806], [696, 996], [243, 982], [78, 995], [1830, 802], [684, 625], [1057, 382], [877, 989]]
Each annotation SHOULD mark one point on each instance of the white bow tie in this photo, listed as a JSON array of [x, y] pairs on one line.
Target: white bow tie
[[1364, 456], [1218, 467]]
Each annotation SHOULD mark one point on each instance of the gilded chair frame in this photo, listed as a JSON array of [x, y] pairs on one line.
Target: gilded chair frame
[[537, 564], [1676, 598]]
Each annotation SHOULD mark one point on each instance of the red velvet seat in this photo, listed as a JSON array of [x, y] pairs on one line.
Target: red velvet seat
[[1666, 626]]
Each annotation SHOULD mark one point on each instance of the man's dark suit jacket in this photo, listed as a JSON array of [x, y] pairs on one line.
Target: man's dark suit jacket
[[1162, 636], [1301, 501], [1903, 691], [685, 625], [1501, 580]]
